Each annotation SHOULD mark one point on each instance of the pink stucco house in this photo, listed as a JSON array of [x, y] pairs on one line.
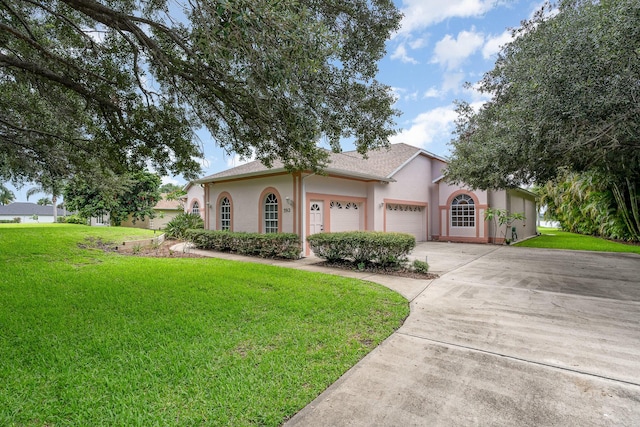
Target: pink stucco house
[[399, 189]]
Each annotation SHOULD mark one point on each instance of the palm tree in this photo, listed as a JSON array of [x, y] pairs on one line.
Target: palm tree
[[6, 195], [48, 185]]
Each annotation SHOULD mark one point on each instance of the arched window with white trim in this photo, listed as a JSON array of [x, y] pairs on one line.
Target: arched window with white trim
[[270, 213], [225, 214], [195, 208], [463, 211]]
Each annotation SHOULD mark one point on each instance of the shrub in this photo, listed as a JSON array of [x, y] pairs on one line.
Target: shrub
[[387, 249], [177, 227], [73, 219], [420, 266], [272, 245], [15, 220]]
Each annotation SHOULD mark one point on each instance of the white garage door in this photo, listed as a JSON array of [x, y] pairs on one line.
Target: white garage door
[[409, 219], [345, 216]]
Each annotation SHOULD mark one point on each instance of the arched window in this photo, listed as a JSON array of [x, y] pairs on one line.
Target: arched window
[[463, 211], [195, 208], [225, 214], [271, 213]]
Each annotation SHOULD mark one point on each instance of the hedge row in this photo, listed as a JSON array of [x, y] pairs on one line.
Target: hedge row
[[363, 246], [272, 245], [15, 220]]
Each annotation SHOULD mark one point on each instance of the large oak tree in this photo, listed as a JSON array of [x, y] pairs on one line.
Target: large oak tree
[[565, 97], [122, 84]]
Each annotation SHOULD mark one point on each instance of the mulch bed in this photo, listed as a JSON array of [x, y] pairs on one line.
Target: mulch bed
[[377, 269]]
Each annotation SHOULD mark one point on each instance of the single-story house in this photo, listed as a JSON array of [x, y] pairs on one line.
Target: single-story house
[[30, 212], [397, 189], [165, 210]]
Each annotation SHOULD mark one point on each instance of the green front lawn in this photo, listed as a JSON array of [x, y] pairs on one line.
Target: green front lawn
[[94, 338], [556, 239]]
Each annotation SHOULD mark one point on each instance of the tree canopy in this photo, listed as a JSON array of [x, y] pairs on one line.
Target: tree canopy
[[123, 84], [119, 196], [565, 96]]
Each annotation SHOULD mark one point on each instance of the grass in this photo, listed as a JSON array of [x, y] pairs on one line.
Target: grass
[[557, 239], [94, 338]]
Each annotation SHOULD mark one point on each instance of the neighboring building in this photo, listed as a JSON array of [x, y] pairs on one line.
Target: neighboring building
[[30, 212], [165, 211], [399, 189], [194, 199]]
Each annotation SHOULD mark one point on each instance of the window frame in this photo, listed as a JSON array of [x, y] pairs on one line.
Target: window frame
[[270, 213], [462, 212]]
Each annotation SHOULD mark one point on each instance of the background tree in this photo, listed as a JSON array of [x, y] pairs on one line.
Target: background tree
[[6, 195], [48, 183], [584, 203], [119, 196], [565, 96], [44, 201], [124, 83], [170, 188]]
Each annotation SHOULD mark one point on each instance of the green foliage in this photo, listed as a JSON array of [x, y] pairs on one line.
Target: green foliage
[[420, 266], [502, 217], [44, 201], [387, 249], [585, 203], [72, 219], [99, 339], [177, 227], [132, 194], [170, 188], [264, 77], [6, 195], [270, 245], [15, 220]]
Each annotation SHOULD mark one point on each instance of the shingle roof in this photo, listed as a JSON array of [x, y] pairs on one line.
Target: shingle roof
[[164, 204], [380, 164], [25, 208]]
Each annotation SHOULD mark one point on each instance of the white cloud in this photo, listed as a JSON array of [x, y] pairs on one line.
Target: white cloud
[[452, 82], [418, 43], [419, 14], [451, 52], [432, 126], [432, 92], [493, 44], [401, 54]]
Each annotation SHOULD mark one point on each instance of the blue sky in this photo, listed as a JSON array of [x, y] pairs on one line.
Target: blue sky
[[441, 45]]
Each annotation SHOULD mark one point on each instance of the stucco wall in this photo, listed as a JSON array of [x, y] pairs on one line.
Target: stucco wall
[[246, 201], [412, 184], [520, 202], [479, 232], [27, 219], [160, 221], [195, 192]]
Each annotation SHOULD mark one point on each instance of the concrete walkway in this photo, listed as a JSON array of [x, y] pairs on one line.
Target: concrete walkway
[[506, 336]]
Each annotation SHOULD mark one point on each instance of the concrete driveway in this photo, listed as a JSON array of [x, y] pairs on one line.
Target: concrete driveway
[[506, 336]]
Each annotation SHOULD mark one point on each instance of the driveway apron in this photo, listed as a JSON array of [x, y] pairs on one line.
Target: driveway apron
[[505, 336]]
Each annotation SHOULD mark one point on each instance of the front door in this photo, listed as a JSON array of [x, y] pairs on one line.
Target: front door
[[316, 222]]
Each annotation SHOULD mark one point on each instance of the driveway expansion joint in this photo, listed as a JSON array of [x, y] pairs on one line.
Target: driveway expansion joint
[[520, 359]]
